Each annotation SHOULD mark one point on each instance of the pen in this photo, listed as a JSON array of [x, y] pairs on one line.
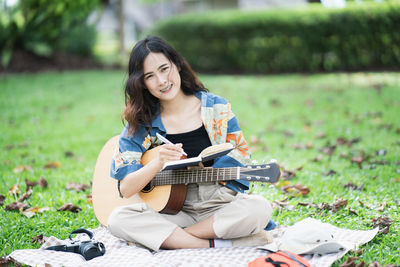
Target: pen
[[166, 141]]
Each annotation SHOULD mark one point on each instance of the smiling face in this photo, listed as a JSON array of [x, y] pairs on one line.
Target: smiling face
[[161, 77]]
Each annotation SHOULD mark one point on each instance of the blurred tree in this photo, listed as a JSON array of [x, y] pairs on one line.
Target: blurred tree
[[45, 26]]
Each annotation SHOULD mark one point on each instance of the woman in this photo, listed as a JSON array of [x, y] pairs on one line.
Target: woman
[[163, 95]]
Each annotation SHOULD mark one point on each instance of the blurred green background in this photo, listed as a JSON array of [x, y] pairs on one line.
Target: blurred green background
[[314, 84]]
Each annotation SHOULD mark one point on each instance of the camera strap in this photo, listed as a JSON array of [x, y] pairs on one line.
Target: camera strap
[[70, 248], [81, 231], [64, 248]]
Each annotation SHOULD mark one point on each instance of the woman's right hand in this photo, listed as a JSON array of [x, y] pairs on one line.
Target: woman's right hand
[[168, 153]]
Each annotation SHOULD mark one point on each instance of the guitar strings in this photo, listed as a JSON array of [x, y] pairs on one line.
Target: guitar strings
[[198, 175], [192, 176]]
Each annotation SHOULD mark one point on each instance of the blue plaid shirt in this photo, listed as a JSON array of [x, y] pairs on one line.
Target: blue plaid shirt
[[221, 126]]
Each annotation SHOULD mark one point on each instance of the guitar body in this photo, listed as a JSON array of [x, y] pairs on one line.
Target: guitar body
[[167, 199], [105, 196], [166, 193]]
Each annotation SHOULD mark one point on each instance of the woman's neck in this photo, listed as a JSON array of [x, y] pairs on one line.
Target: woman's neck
[[182, 114], [176, 105]]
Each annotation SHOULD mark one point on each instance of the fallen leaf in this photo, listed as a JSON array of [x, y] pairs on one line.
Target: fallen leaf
[[350, 262], [366, 205], [52, 165], [318, 158], [2, 198], [375, 264], [9, 147], [287, 174], [380, 162], [352, 211], [287, 133], [339, 204], [43, 182], [359, 252], [16, 206], [330, 172], [299, 168], [352, 186], [77, 186], [26, 144], [297, 189], [385, 230], [275, 102], [309, 102], [306, 204], [7, 261], [328, 150], [40, 239], [69, 207], [382, 206], [89, 198], [342, 141], [276, 206], [387, 126], [304, 190], [14, 190], [324, 206], [69, 154], [382, 222], [22, 168], [320, 135], [25, 196], [282, 202], [344, 155], [309, 145], [28, 214], [358, 159], [298, 146], [30, 184], [32, 211]]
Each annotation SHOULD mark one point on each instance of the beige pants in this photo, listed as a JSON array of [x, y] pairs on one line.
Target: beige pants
[[235, 215]]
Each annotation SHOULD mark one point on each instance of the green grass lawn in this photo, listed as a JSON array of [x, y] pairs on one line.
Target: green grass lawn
[[313, 125]]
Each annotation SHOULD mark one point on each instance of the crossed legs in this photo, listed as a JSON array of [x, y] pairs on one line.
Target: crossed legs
[[244, 216], [195, 236]]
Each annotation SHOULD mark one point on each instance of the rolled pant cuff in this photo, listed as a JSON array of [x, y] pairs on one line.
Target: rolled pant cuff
[[155, 245]]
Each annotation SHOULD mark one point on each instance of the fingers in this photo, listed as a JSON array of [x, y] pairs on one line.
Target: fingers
[[170, 153]]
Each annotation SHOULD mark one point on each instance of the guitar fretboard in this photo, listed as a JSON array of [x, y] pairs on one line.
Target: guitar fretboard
[[196, 176]]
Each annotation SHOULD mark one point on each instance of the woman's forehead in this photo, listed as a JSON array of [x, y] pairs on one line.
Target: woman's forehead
[[153, 61]]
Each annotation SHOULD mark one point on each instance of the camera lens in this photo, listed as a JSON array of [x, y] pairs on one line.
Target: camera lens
[[90, 250]]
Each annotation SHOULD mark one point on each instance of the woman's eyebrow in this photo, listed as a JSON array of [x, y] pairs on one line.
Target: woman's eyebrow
[[157, 69]]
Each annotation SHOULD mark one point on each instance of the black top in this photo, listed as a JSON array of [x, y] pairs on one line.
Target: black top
[[193, 142]]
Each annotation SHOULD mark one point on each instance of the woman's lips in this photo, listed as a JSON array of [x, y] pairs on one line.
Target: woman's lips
[[166, 89]]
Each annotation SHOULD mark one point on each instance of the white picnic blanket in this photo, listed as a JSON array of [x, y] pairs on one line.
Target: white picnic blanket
[[122, 253]]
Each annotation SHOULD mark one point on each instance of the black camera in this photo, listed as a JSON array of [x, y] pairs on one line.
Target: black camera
[[88, 249]]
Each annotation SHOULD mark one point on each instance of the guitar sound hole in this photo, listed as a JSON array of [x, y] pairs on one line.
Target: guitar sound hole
[[147, 188]]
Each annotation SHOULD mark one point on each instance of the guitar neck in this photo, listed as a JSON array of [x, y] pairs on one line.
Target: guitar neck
[[196, 176]]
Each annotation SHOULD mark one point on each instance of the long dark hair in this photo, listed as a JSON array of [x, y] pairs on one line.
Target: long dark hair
[[140, 105]]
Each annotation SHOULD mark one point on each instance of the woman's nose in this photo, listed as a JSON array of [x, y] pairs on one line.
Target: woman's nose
[[162, 79]]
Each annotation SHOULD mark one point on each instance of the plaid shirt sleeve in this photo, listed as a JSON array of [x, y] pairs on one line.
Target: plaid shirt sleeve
[[127, 154]]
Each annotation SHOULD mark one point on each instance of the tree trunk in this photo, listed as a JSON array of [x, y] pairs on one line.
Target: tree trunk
[[121, 29]]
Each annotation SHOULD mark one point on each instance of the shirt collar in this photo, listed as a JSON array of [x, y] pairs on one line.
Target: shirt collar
[[157, 122]]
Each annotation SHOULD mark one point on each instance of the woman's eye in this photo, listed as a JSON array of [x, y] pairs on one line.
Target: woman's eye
[[165, 68], [148, 77]]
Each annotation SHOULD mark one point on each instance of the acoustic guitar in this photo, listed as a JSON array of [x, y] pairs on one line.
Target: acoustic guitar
[[166, 192]]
